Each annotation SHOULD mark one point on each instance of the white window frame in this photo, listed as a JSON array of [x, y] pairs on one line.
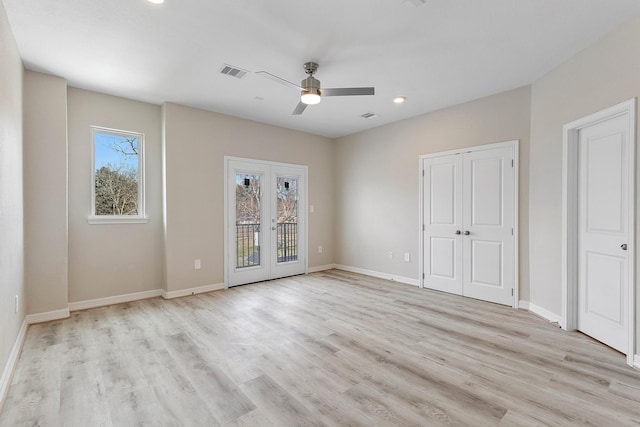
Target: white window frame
[[141, 218]]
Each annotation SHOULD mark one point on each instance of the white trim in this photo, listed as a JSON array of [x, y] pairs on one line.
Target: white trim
[[47, 316], [321, 268], [513, 144], [523, 305], [379, 275], [111, 219], [516, 223], [544, 313], [12, 362], [569, 317], [192, 291], [117, 299], [636, 363], [504, 144], [421, 221]]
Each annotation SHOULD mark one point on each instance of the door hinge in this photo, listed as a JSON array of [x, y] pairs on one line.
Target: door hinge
[[512, 231], [511, 291], [423, 275], [511, 162], [423, 227], [422, 172]]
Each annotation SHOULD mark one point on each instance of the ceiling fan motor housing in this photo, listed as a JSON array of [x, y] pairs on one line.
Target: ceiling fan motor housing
[[310, 85]]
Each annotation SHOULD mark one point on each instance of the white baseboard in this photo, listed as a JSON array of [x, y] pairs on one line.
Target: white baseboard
[[321, 268], [192, 291], [379, 275], [636, 361], [523, 305], [10, 367], [542, 312], [118, 299], [47, 316]]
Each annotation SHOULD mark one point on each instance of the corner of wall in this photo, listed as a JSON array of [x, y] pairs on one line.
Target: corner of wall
[[45, 184]]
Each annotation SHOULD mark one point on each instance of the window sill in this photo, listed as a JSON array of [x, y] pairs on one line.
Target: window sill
[[117, 219]]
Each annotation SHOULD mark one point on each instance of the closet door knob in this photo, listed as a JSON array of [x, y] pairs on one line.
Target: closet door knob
[[467, 232], [458, 232]]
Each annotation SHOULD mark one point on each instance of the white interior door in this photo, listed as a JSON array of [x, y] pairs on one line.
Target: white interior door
[[265, 221], [469, 208], [488, 224], [603, 150], [442, 207]]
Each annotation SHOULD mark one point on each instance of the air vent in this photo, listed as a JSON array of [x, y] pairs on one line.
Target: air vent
[[232, 71], [369, 115]]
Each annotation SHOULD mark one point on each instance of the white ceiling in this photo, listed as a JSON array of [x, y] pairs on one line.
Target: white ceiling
[[438, 54]]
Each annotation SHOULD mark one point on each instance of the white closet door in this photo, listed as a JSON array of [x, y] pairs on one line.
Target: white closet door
[[442, 209], [488, 225], [469, 208]]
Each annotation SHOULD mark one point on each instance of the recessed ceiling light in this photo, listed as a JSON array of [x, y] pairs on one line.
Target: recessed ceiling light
[[156, 1], [399, 99]]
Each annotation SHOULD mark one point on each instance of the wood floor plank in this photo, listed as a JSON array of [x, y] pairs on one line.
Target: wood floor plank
[[277, 404], [327, 349], [224, 397]]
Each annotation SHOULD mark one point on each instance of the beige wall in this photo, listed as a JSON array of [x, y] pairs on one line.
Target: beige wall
[[45, 198], [11, 194], [605, 74], [195, 143], [112, 259], [377, 181]]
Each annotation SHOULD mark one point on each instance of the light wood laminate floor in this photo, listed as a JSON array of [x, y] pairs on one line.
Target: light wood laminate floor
[[331, 348]]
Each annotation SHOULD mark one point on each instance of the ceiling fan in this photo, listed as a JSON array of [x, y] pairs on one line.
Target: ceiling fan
[[310, 90]]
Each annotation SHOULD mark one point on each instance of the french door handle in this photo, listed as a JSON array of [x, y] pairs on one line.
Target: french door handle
[[273, 228], [467, 232], [623, 246], [458, 232]]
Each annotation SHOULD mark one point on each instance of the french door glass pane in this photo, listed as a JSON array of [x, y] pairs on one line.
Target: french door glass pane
[[287, 211], [248, 209]]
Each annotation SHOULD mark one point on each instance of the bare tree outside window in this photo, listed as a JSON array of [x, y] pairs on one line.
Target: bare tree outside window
[[117, 173]]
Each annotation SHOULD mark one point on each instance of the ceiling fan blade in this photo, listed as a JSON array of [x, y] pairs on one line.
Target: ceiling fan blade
[[277, 79], [299, 108], [347, 91]]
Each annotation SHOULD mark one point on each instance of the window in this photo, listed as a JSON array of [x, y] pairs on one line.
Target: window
[[117, 188]]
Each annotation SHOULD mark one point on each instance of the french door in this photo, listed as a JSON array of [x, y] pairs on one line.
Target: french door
[[469, 211], [265, 220]]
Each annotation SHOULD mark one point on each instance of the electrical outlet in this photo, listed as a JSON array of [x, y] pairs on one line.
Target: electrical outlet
[[320, 249], [17, 303], [390, 255], [407, 257], [197, 264]]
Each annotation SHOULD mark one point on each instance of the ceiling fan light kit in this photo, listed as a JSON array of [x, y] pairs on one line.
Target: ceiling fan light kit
[[310, 97], [310, 90]]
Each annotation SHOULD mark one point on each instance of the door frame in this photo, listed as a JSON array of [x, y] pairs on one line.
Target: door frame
[[515, 145], [303, 207], [570, 133]]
